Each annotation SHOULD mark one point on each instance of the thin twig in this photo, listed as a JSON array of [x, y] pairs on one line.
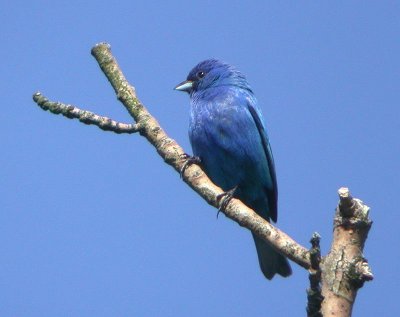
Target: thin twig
[[314, 296], [87, 117]]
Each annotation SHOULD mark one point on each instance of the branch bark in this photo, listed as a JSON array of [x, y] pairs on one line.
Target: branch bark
[[84, 116], [174, 155], [342, 269], [314, 296]]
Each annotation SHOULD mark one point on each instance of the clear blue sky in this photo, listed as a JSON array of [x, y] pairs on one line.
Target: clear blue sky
[[95, 224]]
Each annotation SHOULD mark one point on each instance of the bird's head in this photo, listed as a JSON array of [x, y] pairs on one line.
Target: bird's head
[[212, 73]]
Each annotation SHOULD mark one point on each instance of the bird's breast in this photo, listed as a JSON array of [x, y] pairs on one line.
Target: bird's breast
[[230, 151]]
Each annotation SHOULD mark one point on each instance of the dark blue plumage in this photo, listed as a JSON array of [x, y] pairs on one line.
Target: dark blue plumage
[[228, 134]]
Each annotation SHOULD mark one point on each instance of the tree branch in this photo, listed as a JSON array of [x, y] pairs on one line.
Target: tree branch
[[344, 269], [84, 116], [341, 273], [314, 295], [174, 155]]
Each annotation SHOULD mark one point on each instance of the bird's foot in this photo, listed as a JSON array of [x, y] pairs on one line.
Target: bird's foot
[[189, 161], [225, 198]]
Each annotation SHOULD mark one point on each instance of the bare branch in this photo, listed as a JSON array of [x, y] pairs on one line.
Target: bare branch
[[341, 273], [84, 116], [193, 175], [344, 269], [314, 296]]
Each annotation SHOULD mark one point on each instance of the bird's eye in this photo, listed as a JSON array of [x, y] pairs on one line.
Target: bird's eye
[[200, 74]]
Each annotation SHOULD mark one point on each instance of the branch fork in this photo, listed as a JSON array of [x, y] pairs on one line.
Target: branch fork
[[334, 279]]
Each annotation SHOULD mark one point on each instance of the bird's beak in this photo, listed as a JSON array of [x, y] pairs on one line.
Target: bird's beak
[[186, 85]]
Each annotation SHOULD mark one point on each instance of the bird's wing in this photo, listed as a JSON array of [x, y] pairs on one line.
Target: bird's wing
[[272, 193]]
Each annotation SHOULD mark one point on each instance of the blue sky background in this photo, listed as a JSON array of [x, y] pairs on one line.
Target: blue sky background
[[95, 224]]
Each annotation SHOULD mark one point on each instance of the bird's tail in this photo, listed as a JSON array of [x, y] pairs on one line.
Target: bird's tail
[[271, 262]]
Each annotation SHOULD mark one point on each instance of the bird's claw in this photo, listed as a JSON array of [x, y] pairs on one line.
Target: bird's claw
[[225, 198], [189, 161]]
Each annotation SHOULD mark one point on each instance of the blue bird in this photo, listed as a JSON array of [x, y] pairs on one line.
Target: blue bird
[[227, 134]]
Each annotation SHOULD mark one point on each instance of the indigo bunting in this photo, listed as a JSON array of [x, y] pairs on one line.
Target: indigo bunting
[[228, 135]]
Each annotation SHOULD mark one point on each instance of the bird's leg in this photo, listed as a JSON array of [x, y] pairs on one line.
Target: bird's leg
[[225, 198], [189, 161]]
